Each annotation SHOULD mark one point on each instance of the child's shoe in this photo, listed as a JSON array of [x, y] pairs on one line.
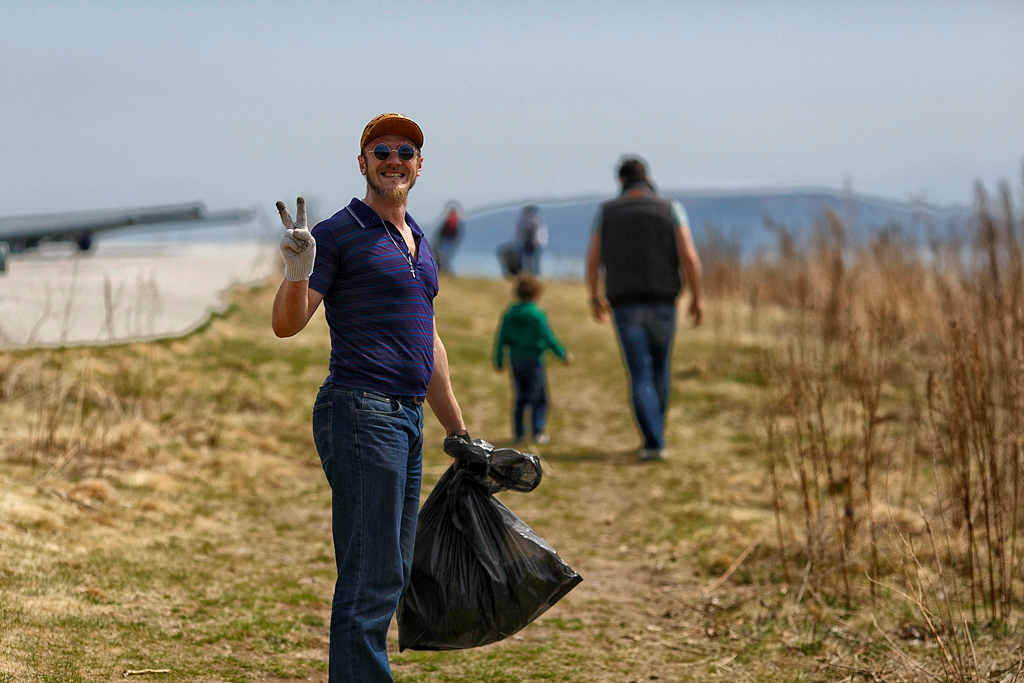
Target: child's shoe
[[542, 439], [650, 455]]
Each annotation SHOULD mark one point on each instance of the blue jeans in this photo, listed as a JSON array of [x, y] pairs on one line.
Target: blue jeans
[[531, 390], [531, 260], [371, 447], [645, 333], [445, 255]]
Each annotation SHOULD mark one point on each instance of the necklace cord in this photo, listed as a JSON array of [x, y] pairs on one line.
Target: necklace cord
[[407, 257]]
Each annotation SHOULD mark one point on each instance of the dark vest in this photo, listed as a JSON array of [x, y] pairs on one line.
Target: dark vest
[[639, 250]]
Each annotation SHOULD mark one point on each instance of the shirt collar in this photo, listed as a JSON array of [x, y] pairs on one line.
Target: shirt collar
[[367, 217], [641, 186]]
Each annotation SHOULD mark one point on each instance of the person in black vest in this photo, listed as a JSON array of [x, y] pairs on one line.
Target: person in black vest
[[642, 244]]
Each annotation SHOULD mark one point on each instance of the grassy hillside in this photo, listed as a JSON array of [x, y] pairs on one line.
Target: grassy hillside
[[162, 507]]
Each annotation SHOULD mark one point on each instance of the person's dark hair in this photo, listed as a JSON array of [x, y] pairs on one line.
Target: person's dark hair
[[632, 170], [528, 287]]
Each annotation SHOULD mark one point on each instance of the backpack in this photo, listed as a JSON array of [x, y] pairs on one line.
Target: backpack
[[450, 230]]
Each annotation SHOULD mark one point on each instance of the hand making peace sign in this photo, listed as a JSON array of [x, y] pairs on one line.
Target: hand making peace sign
[[297, 244]]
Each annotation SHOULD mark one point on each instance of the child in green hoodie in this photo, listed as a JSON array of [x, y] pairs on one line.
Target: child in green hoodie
[[524, 330]]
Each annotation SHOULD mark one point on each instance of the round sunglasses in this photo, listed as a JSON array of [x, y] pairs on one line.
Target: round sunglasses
[[405, 152]]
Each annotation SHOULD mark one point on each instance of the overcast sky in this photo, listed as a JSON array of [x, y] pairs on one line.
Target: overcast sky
[[113, 104]]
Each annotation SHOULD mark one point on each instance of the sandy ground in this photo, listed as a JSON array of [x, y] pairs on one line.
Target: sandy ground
[[60, 296]]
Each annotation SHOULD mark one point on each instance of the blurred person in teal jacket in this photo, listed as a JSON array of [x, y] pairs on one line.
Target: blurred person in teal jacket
[[525, 332]]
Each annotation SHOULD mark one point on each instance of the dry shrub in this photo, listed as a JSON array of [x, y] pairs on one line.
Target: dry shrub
[[98, 490], [898, 392], [976, 403], [73, 412]]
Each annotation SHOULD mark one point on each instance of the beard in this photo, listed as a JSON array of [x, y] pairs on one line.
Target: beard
[[394, 196]]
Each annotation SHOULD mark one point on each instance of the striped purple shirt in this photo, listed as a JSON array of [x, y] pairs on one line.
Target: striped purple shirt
[[381, 317]]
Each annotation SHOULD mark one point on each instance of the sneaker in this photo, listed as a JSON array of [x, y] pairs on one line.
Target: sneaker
[[650, 455], [542, 439]]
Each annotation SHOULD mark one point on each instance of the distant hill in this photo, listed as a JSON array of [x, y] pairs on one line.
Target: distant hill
[[739, 215]]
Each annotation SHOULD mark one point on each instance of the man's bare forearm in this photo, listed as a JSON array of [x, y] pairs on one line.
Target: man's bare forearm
[[695, 277], [440, 396], [598, 305], [690, 263], [594, 266], [293, 307]]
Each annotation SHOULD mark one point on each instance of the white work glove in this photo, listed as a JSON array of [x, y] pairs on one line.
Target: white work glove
[[297, 244]]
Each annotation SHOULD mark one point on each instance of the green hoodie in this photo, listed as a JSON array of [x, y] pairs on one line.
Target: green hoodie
[[524, 330]]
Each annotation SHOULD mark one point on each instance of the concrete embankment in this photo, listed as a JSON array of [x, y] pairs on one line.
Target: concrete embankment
[[59, 296]]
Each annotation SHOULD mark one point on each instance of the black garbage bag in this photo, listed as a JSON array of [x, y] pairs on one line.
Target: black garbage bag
[[495, 469], [479, 574]]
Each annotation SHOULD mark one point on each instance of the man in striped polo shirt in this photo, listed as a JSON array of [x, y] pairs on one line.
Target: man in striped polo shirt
[[377, 279]]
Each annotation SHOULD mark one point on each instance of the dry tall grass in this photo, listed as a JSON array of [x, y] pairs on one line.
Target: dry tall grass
[[893, 423]]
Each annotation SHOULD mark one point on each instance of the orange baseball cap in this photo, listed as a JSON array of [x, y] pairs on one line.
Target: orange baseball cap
[[391, 124]]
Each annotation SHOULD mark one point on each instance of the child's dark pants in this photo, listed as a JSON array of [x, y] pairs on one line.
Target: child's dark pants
[[531, 390]]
